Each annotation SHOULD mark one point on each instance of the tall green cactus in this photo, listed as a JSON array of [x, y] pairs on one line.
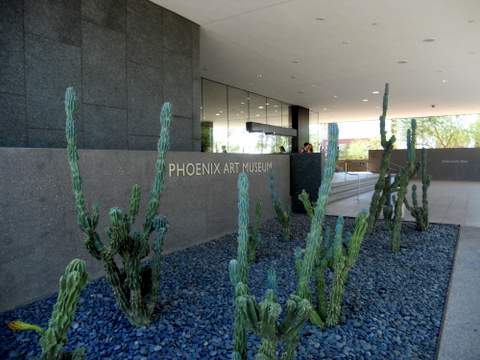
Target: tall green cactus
[[326, 250], [136, 289], [282, 213], [339, 254], [53, 339], [420, 213], [379, 196], [392, 211], [261, 318], [255, 237]]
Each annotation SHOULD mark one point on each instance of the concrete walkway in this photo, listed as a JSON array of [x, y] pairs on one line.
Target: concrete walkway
[[451, 202], [460, 338]]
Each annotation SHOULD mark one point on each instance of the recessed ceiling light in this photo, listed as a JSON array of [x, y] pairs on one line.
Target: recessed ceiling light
[[242, 102], [444, 81], [257, 115], [267, 103], [217, 114], [335, 96], [365, 100], [324, 109], [320, 18], [260, 107], [428, 40], [401, 62], [375, 92], [259, 76], [345, 42]]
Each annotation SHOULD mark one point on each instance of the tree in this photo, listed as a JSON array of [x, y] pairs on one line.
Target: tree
[[475, 132], [439, 132]]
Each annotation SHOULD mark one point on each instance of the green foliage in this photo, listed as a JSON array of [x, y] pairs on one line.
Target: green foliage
[[282, 213], [420, 213], [358, 149], [255, 238], [475, 132], [261, 318], [53, 339], [307, 204], [439, 132], [135, 288]]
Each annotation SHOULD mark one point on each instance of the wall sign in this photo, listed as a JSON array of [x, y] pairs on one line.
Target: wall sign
[[218, 168]]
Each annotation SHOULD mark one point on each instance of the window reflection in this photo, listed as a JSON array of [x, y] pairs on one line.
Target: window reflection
[[225, 112]]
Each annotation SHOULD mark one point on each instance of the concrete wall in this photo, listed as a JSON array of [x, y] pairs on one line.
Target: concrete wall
[[124, 58], [39, 232], [443, 164]]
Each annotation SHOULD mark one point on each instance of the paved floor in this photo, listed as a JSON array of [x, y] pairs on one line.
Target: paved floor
[[454, 203], [461, 327]]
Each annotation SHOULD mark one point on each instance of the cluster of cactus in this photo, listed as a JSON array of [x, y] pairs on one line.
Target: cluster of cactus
[[397, 190], [420, 213], [327, 251], [135, 287], [390, 193], [254, 236], [339, 254], [283, 214], [53, 339], [261, 318], [379, 197]]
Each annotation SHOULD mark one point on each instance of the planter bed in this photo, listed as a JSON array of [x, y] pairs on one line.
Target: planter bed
[[393, 303]]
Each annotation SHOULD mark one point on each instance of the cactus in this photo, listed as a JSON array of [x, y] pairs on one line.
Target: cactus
[[135, 288], [53, 339], [392, 210], [283, 215], [255, 237], [379, 196], [304, 198], [261, 318], [420, 213]]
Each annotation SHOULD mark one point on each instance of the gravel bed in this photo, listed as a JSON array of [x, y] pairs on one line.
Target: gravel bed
[[393, 303]]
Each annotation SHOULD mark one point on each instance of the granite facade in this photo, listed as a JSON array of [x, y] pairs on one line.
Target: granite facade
[[124, 58], [38, 217]]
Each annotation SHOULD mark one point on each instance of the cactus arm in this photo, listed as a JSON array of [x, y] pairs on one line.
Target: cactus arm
[[356, 239], [134, 203], [161, 227], [378, 201], [159, 180], [315, 233], [307, 204], [71, 284]]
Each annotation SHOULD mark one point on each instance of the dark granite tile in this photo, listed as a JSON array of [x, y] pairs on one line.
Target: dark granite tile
[[103, 61], [51, 67], [48, 138], [104, 127], [144, 32], [12, 71], [145, 98], [141, 142], [45, 113], [181, 134], [58, 20], [177, 33], [178, 84], [13, 129], [107, 13]]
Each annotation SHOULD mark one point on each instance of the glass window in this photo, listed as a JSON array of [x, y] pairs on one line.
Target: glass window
[[215, 116], [237, 117], [225, 112]]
